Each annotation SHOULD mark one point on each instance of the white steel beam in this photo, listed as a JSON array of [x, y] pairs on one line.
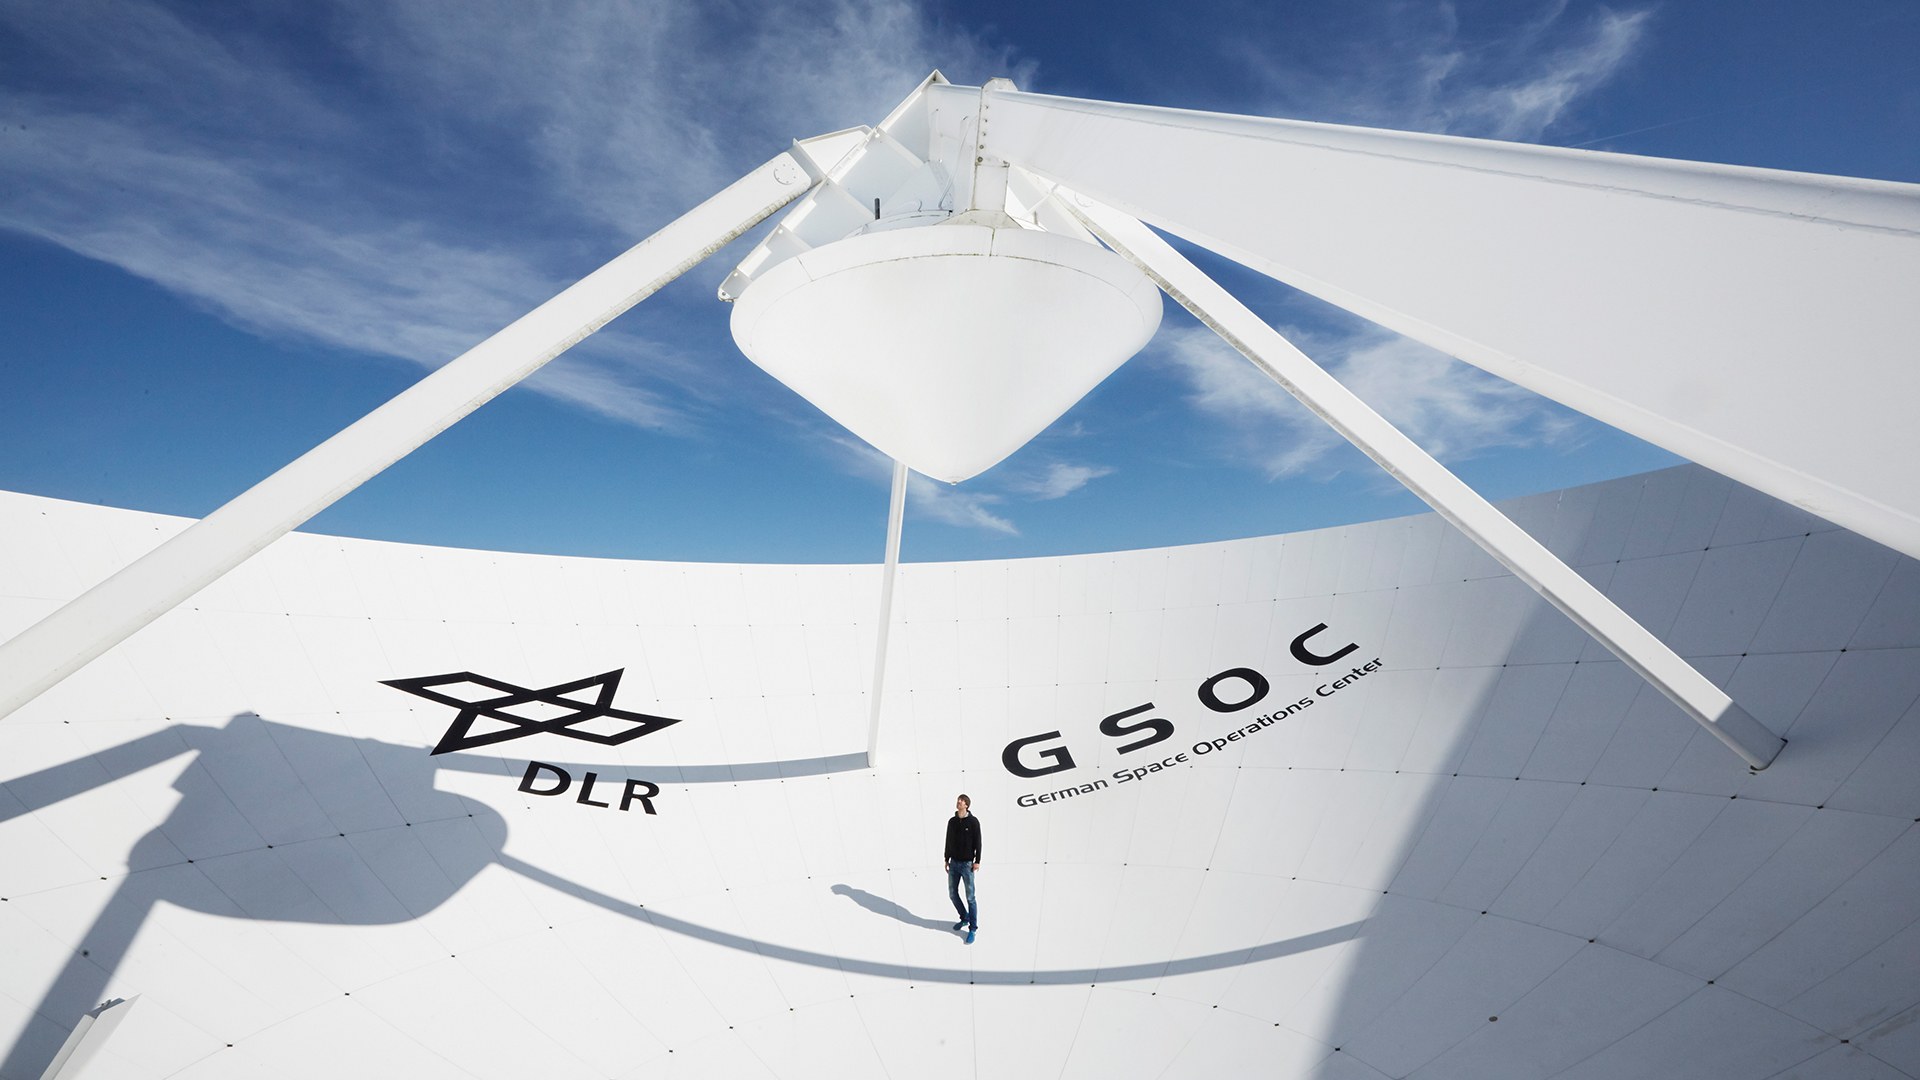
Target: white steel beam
[[1519, 552], [87, 1037], [896, 517], [147, 588], [1759, 322]]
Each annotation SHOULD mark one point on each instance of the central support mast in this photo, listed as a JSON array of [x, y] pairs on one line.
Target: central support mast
[[883, 627]]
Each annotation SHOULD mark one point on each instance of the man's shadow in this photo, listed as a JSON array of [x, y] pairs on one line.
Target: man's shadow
[[880, 905]]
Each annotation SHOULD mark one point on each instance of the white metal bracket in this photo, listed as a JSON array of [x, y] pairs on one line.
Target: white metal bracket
[[87, 1037]]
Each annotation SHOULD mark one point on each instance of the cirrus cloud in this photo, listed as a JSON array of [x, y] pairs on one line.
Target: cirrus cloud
[[1452, 410]]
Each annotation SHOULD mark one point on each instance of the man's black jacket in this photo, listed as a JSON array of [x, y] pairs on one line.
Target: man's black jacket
[[963, 838]]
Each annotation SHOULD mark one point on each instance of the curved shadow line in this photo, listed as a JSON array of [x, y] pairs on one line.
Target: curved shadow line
[[57, 782], [1124, 973], [683, 774]]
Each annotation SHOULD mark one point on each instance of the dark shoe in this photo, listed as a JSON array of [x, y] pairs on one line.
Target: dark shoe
[[961, 925]]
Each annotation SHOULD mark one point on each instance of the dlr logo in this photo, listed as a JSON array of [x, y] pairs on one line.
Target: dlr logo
[[637, 791], [1150, 730]]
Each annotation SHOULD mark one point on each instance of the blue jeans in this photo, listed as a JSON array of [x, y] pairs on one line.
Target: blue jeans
[[959, 870]]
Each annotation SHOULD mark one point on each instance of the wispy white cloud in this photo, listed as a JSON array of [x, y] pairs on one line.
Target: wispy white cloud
[[602, 390], [983, 503], [968, 508], [953, 505], [1057, 479], [1452, 410], [1528, 104], [229, 235], [1423, 70], [634, 111], [404, 179]]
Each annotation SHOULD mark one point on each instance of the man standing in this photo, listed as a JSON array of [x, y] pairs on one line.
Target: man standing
[[963, 858]]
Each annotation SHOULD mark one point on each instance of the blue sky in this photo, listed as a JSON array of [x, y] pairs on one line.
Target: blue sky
[[229, 230]]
